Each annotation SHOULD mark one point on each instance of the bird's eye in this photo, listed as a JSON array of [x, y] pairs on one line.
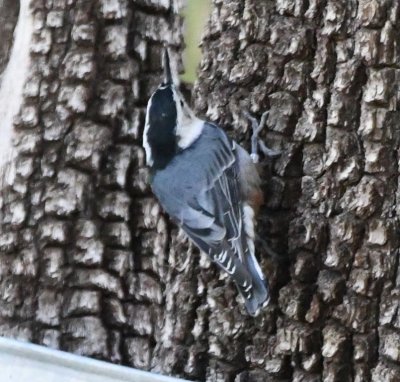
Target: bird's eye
[[181, 103]]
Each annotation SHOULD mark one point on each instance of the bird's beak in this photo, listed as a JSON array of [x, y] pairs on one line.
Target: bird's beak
[[167, 69]]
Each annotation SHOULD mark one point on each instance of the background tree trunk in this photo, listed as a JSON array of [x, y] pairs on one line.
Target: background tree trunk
[[91, 265], [82, 246]]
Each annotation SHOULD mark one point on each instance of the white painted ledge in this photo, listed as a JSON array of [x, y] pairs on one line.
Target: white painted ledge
[[25, 362]]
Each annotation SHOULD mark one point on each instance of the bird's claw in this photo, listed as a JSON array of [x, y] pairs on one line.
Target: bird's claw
[[256, 143], [270, 153]]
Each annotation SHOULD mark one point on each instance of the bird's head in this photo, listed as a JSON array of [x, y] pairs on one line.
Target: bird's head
[[167, 113]]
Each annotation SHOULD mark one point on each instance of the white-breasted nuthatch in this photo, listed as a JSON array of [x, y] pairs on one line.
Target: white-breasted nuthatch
[[208, 185]]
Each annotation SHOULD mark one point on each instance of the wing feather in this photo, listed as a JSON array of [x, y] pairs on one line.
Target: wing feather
[[207, 202]]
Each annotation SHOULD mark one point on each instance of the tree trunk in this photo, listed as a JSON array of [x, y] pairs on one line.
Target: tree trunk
[[82, 244], [91, 265], [328, 73]]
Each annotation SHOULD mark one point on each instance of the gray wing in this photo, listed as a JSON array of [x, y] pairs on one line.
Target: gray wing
[[200, 191]]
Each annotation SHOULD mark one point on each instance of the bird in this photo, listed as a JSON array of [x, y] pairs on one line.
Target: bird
[[208, 185]]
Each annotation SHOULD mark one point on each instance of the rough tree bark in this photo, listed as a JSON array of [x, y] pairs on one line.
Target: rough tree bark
[[83, 264], [91, 265], [328, 71]]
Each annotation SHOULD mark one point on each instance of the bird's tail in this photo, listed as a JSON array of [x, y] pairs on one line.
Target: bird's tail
[[247, 276], [256, 296]]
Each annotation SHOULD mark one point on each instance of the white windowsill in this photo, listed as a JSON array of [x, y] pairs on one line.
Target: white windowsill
[[25, 362]]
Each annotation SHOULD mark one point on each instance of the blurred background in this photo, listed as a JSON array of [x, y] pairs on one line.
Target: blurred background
[[196, 16]]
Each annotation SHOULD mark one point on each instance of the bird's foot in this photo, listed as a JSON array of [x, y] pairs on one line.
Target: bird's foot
[[256, 143]]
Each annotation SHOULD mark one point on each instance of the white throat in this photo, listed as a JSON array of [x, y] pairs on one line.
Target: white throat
[[189, 127], [188, 131]]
